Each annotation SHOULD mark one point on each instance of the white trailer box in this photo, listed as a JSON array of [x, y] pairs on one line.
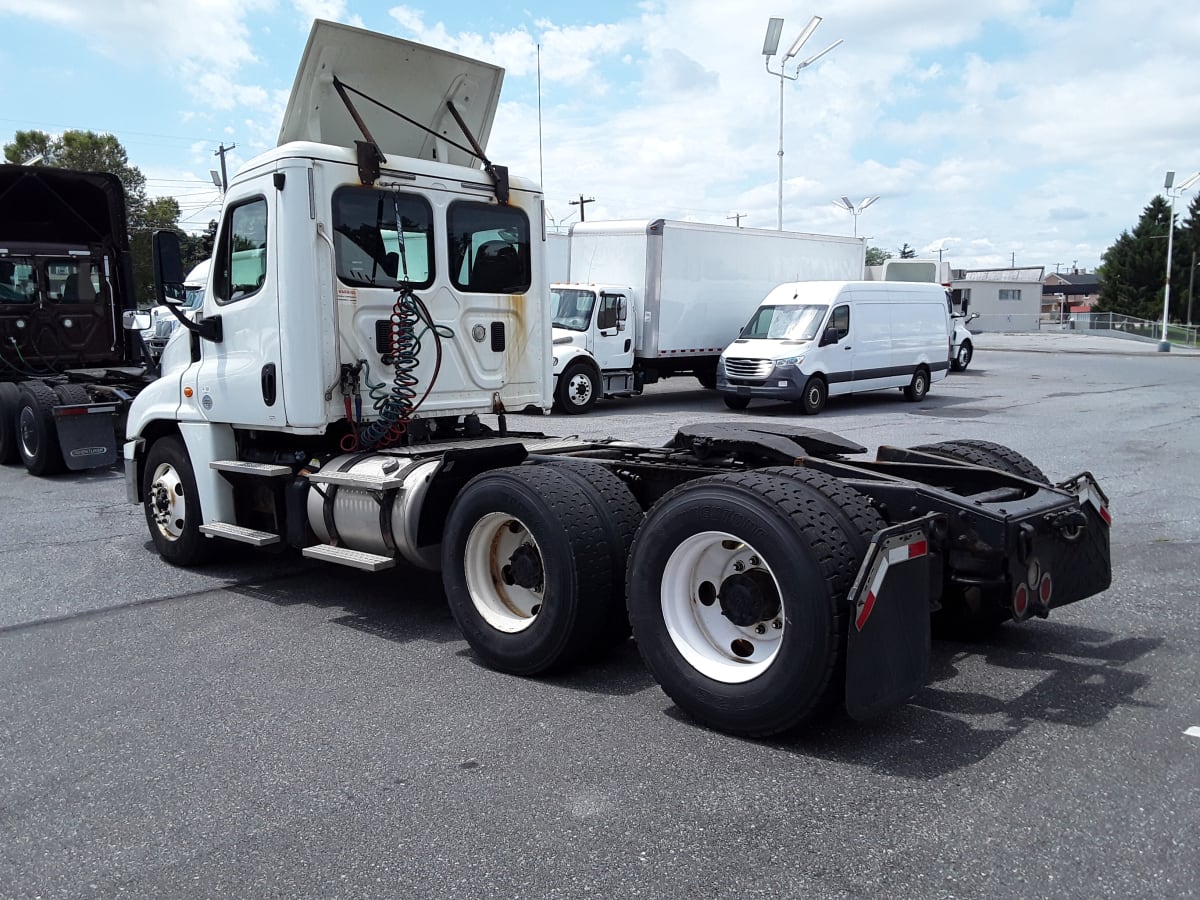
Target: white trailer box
[[653, 298]]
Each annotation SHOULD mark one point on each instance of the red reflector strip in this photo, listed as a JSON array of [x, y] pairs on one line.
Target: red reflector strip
[[865, 612], [919, 548], [1105, 515]]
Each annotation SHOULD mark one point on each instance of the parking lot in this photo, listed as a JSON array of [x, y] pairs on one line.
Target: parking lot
[[269, 726]]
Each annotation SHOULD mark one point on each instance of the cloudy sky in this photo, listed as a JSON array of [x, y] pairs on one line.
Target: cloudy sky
[[1000, 130]]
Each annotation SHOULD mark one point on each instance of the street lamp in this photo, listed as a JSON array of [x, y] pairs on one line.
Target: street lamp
[[845, 204], [1164, 345], [770, 48]]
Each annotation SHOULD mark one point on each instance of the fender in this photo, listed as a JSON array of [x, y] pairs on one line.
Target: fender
[[564, 354]]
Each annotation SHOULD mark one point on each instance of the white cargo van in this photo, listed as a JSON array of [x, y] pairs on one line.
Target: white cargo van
[[810, 340]]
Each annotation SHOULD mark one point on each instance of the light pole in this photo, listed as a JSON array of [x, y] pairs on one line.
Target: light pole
[[845, 204], [770, 48], [1164, 345]]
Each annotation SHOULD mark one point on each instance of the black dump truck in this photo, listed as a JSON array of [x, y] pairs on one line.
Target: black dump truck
[[68, 367]]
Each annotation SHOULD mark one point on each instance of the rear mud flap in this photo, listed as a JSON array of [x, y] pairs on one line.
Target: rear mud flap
[[888, 641], [87, 434]]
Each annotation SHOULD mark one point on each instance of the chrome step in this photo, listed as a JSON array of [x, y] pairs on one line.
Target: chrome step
[[362, 481], [239, 534], [240, 467], [357, 559]]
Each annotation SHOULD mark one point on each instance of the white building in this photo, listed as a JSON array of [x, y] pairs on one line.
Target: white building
[[1006, 299]]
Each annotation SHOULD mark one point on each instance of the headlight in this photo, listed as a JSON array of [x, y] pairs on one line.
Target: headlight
[[788, 362]]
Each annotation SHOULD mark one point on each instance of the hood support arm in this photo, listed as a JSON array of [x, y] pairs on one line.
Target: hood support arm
[[370, 156]]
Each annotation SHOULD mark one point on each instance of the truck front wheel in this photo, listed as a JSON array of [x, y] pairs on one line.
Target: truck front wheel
[[37, 435], [577, 389], [526, 568], [962, 357], [737, 598], [172, 504]]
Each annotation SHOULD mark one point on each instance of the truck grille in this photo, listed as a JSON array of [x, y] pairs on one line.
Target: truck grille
[[748, 368]]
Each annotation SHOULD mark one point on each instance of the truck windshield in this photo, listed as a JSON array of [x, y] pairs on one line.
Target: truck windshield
[[571, 308], [785, 323]]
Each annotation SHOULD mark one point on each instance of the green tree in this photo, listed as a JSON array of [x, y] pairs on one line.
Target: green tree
[[907, 252], [877, 255], [198, 247], [1133, 270], [1187, 254], [88, 151]]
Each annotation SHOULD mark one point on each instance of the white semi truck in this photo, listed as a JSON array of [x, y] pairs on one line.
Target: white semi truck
[[376, 303], [653, 298]]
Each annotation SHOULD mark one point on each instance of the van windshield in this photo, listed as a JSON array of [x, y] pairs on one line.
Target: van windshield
[[785, 323]]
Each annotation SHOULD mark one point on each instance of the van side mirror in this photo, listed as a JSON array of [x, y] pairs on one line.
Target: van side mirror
[[830, 336]]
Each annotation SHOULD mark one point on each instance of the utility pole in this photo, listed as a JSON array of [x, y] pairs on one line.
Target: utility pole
[[1191, 287], [737, 217], [582, 204], [221, 151]]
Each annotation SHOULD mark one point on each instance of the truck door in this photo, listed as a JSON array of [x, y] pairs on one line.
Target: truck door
[[613, 340], [240, 380]]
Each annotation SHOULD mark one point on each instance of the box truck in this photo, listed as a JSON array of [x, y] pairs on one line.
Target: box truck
[[654, 298], [376, 303]]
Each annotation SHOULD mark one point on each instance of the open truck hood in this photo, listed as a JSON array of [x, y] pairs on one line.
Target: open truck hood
[[44, 205], [410, 78]]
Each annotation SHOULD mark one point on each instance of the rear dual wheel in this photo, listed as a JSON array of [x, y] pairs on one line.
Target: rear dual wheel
[[532, 563], [738, 591], [36, 433], [8, 423], [972, 612]]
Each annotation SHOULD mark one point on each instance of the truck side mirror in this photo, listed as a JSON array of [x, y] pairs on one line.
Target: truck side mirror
[[168, 268], [169, 290], [622, 313]]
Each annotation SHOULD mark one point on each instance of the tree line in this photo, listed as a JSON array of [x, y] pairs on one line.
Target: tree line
[[1133, 272], [88, 151]]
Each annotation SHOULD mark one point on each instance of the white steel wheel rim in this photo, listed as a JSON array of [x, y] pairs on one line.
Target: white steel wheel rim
[[707, 640], [579, 388], [964, 355], [491, 544], [168, 504]]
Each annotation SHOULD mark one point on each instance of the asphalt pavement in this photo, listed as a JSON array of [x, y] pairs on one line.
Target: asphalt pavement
[[269, 726]]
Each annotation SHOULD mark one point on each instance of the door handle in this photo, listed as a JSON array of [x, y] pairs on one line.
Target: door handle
[[268, 384], [847, 347]]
